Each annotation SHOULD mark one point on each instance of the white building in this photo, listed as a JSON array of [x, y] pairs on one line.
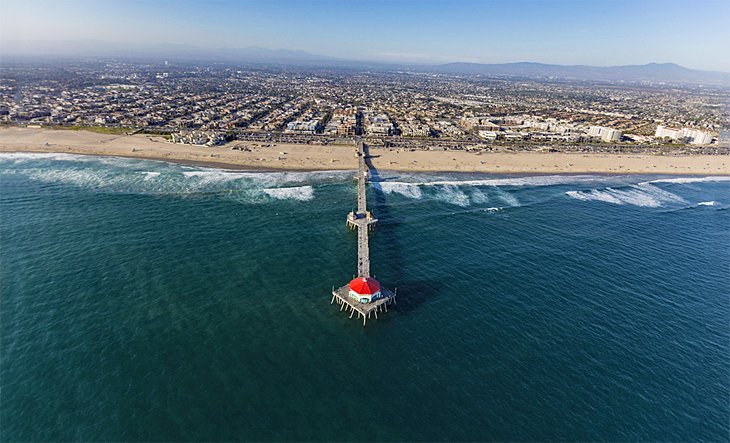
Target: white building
[[302, 126], [663, 131], [697, 137], [606, 134], [377, 124], [694, 136]]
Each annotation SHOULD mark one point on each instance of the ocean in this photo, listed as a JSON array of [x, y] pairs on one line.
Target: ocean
[[150, 301]]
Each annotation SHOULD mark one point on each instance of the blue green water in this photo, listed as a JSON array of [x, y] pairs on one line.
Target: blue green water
[[151, 301]]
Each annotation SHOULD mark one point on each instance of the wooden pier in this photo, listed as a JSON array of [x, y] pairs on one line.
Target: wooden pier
[[363, 310], [363, 221]]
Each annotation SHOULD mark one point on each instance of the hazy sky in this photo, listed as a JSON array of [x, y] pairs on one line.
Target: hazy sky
[[693, 33]]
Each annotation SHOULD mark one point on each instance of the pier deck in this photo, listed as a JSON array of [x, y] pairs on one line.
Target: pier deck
[[363, 221], [347, 303]]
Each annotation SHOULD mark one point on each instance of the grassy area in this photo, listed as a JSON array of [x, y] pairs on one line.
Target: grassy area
[[99, 129]]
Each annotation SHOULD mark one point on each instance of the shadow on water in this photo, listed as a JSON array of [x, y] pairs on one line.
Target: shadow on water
[[411, 293]]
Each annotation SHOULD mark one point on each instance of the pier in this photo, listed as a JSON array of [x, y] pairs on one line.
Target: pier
[[363, 221]]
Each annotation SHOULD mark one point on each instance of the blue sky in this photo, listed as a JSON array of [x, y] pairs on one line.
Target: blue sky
[[694, 33]]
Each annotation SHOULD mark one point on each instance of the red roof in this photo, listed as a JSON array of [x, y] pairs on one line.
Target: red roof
[[365, 285]]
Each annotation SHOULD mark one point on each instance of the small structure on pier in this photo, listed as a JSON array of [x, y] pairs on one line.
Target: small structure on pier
[[347, 302], [365, 289], [355, 219]]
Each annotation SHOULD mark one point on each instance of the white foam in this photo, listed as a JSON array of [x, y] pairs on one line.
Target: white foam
[[507, 197], [301, 193], [477, 196], [214, 176], [635, 197], [540, 180], [659, 194], [21, 157], [77, 177], [28, 156], [595, 195], [645, 195], [405, 189], [710, 203], [684, 180], [453, 195], [173, 182]]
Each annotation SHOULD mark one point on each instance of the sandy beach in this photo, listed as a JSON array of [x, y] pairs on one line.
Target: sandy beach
[[316, 157]]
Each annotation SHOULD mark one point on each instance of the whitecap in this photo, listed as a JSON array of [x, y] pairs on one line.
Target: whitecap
[[660, 195], [685, 180], [709, 203], [507, 197], [123, 162], [29, 156], [644, 195], [213, 176], [540, 180], [405, 189], [78, 177], [477, 196], [594, 195], [301, 193], [453, 195]]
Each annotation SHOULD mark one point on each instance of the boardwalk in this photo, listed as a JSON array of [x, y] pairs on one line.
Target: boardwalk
[[363, 221]]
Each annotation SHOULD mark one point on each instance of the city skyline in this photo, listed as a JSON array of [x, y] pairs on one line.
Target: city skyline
[[603, 33]]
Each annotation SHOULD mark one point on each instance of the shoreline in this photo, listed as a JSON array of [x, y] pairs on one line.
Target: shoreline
[[307, 158], [244, 168]]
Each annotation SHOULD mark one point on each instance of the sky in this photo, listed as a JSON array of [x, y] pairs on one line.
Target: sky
[[692, 33]]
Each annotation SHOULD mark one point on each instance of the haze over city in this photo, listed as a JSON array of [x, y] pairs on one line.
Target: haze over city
[[601, 33]]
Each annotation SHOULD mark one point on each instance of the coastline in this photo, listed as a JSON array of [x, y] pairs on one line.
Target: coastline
[[341, 157]]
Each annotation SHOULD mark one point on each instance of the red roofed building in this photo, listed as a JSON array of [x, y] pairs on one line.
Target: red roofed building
[[365, 289]]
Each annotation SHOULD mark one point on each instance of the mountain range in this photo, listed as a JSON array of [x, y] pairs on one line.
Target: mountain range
[[651, 72]]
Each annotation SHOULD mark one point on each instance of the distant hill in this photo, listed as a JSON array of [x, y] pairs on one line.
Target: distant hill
[[651, 72], [254, 54], [95, 48]]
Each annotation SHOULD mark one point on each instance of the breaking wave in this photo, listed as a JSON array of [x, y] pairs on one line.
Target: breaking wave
[[453, 195], [685, 180], [507, 197], [644, 194], [135, 176], [538, 180], [477, 196], [301, 193], [406, 189], [457, 192], [449, 192], [140, 176], [467, 191]]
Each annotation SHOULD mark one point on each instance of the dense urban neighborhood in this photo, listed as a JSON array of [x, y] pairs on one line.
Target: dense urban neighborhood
[[208, 104]]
